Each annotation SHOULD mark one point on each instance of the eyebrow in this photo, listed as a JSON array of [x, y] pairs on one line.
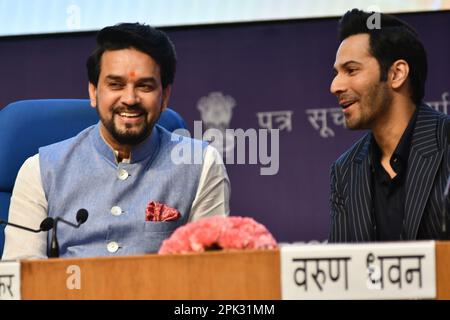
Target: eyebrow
[[112, 77], [147, 79], [346, 64]]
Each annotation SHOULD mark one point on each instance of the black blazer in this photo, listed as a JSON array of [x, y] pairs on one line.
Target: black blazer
[[352, 218]]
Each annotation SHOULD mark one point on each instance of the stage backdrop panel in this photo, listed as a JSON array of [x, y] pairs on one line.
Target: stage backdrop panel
[[242, 76]]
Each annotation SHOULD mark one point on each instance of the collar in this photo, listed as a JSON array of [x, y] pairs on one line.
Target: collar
[[399, 158], [424, 130], [127, 160], [146, 149], [404, 145]]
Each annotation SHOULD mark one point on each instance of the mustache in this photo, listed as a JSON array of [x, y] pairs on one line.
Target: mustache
[[134, 107], [347, 97]]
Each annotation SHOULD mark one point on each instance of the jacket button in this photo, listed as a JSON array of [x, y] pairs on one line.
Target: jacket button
[[112, 247], [116, 211], [122, 174]]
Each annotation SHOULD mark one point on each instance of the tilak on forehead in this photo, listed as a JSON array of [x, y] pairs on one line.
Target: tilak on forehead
[[132, 74]]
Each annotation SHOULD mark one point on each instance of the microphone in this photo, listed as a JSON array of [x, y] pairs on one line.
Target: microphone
[[46, 225], [82, 216]]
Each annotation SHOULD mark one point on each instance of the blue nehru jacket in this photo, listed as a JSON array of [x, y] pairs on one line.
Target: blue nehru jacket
[[82, 172]]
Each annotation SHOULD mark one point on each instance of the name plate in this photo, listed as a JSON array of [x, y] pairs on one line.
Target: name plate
[[394, 270], [9, 280]]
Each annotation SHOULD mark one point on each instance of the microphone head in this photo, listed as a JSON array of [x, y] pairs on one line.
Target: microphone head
[[47, 224], [82, 216]]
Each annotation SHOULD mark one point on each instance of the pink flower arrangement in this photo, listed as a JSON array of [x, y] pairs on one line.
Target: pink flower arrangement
[[219, 232]]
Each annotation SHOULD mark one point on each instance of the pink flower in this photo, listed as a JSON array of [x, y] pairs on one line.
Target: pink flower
[[219, 232]]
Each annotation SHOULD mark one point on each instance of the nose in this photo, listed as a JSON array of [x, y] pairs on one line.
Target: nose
[[337, 85], [129, 96]]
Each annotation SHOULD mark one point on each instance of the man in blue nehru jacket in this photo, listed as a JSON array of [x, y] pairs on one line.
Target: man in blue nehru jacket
[[115, 168]]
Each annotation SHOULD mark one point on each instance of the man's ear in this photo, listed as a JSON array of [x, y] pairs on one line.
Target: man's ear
[[166, 96], [93, 95], [398, 73]]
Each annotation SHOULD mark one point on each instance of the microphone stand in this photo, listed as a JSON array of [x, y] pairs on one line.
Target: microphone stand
[[54, 246], [46, 225], [53, 251]]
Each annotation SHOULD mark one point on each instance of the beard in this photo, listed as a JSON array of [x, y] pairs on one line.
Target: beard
[[373, 105], [130, 134]]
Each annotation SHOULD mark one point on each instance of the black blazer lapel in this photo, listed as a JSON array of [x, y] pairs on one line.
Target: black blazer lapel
[[423, 163], [360, 200]]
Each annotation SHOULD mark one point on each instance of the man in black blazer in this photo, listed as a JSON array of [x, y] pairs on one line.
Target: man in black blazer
[[389, 185]]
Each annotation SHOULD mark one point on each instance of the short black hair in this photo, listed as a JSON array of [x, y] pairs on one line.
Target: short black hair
[[392, 40], [141, 37]]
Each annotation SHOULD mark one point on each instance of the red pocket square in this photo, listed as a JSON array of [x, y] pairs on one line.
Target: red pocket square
[[156, 211]]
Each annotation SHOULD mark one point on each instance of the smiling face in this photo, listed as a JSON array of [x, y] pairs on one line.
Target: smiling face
[[129, 96], [361, 94]]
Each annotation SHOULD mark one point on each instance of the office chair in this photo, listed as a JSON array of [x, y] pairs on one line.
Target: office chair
[[27, 125]]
